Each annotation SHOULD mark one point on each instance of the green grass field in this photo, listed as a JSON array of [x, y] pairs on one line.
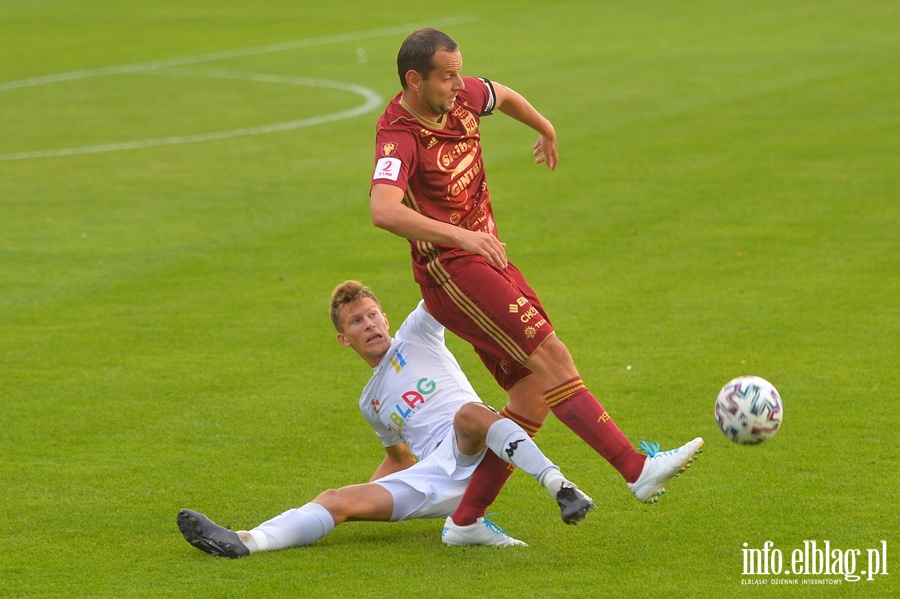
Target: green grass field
[[183, 183]]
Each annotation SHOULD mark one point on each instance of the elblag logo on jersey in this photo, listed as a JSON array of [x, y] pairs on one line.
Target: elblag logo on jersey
[[412, 400]]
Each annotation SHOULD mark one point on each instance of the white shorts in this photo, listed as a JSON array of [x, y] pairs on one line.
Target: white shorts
[[432, 487]]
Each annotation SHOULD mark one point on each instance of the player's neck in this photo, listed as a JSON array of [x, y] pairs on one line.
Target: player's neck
[[373, 360], [410, 104]]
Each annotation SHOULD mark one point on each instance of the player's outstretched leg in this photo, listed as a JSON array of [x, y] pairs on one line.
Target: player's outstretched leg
[[512, 444], [206, 535], [483, 532], [661, 467]]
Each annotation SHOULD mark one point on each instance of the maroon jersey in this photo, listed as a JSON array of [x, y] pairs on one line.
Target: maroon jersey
[[439, 167]]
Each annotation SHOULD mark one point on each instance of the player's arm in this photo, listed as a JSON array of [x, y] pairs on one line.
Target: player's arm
[[398, 458], [512, 103], [391, 214]]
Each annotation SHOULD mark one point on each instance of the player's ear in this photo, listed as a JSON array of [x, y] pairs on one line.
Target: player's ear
[[413, 79], [387, 324], [343, 340]]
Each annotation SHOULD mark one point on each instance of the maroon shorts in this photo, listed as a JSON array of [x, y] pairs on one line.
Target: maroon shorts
[[493, 309]]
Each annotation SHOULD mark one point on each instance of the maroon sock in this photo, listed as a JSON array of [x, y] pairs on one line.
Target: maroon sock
[[579, 410], [530, 426], [489, 478], [484, 486]]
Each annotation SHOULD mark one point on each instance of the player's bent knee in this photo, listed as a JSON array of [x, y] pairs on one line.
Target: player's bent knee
[[552, 357], [474, 419]]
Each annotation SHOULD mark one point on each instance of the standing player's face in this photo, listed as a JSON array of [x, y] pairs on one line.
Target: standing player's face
[[437, 94], [365, 329]]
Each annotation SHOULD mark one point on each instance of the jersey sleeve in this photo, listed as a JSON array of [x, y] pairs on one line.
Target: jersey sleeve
[[395, 157], [421, 328], [490, 98], [480, 96]]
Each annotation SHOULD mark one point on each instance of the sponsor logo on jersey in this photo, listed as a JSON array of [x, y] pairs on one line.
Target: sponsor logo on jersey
[[398, 361], [459, 185], [531, 330], [467, 119], [451, 153], [411, 400], [514, 308], [529, 314], [532, 318]]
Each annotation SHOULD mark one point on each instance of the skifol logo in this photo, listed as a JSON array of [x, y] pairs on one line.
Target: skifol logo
[[812, 563]]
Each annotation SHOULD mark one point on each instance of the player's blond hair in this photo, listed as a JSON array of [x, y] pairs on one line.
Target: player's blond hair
[[347, 293]]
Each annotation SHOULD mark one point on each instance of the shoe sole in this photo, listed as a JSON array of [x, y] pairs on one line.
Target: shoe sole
[[518, 544], [577, 515], [194, 528], [462, 543]]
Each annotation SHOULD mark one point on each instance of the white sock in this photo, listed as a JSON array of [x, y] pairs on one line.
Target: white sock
[[552, 479], [509, 441], [294, 528]]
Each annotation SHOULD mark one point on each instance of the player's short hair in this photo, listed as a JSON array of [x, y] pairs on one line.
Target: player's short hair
[[418, 50], [344, 294]]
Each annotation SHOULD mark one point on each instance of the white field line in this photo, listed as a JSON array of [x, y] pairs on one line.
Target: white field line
[[372, 99], [228, 54]]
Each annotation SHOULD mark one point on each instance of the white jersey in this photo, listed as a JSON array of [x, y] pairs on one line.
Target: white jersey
[[417, 388]]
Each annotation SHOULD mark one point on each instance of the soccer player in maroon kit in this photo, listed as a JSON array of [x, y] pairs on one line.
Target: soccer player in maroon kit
[[429, 187]]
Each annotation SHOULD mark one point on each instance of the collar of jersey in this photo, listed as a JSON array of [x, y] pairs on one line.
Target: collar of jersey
[[428, 123], [386, 358]]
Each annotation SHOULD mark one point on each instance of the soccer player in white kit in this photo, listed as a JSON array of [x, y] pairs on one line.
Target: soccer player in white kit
[[435, 431]]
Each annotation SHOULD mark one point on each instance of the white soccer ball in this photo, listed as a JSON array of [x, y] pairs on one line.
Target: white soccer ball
[[749, 410]]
